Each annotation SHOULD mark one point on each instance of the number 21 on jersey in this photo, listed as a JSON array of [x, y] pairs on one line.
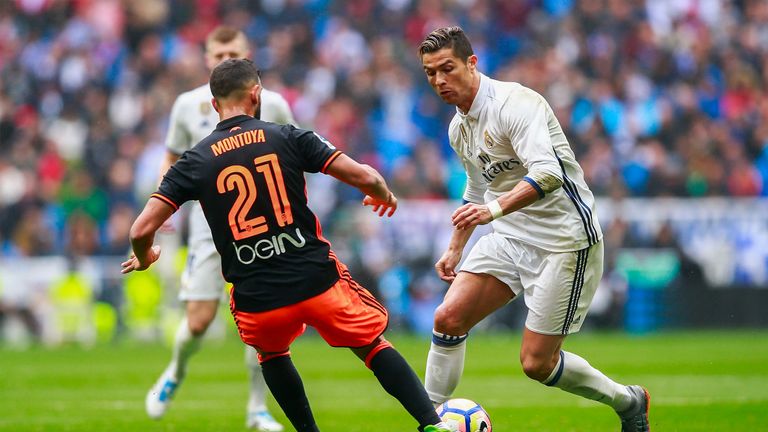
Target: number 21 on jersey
[[239, 178]]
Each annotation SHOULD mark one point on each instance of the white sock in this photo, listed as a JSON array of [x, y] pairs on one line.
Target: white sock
[[445, 364], [184, 346], [257, 398], [575, 375]]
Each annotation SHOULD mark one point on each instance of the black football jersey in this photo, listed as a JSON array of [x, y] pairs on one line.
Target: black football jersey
[[249, 178]]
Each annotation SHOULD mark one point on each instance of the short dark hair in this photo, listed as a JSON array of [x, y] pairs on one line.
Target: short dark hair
[[233, 75], [223, 34], [447, 37]]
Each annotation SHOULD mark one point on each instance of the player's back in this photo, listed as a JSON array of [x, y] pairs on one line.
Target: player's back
[[249, 177], [193, 117]]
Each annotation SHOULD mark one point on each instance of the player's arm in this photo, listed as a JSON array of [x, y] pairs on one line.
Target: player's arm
[[367, 180], [470, 215], [169, 159], [446, 265], [319, 155], [177, 141], [528, 129], [142, 234], [181, 184]]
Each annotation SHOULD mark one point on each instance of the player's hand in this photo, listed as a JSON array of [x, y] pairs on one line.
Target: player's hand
[[387, 207], [470, 215], [133, 263], [446, 265]]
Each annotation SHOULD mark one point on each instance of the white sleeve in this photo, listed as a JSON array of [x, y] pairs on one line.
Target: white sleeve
[[527, 124], [178, 140], [474, 192]]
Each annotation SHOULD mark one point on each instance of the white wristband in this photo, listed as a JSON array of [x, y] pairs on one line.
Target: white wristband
[[495, 208]]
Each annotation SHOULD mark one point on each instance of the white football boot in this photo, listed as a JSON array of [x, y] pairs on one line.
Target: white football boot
[[160, 395], [262, 421]]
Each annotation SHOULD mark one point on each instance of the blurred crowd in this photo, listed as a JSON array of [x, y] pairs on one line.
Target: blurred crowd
[[658, 97]]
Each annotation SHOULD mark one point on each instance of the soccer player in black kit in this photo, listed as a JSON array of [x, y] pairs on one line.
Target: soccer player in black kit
[[249, 177]]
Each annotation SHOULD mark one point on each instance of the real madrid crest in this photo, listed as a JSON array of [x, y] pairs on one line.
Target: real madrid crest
[[205, 108], [488, 140]]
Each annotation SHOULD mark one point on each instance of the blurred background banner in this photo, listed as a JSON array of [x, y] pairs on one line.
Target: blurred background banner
[[663, 101]]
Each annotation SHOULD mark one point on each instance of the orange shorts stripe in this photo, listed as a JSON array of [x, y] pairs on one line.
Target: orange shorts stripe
[[346, 315]]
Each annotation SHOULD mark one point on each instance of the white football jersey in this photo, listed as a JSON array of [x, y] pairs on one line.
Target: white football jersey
[[509, 133], [193, 117]]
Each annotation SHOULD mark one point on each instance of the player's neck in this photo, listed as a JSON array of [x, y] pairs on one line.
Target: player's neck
[[227, 112], [466, 105]]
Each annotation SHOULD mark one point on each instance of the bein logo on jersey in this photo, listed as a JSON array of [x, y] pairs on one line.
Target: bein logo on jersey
[[265, 249]]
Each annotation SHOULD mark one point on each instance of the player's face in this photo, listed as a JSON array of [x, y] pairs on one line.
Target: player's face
[[217, 52], [450, 76]]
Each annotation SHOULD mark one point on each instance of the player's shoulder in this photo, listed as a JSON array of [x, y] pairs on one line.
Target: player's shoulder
[[272, 100], [502, 92], [195, 96], [272, 97], [514, 100]]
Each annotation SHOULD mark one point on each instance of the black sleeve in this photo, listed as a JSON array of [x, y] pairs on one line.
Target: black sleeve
[[316, 152], [182, 181]]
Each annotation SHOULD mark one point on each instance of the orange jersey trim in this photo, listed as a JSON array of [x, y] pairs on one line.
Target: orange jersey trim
[[165, 200], [330, 159]]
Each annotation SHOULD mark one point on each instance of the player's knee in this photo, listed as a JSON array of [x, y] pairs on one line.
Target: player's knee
[[198, 325], [536, 367], [449, 322]]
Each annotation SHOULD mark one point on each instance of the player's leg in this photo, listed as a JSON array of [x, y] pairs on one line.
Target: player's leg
[[287, 387], [201, 288], [485, 283], [399, 380], [544, 361], [258, 416], [559, 289], [199, 315], [271, 333], [348, 315], [186, 343]]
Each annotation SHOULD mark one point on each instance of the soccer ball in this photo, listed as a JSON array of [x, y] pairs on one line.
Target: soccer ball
[[465, 415]]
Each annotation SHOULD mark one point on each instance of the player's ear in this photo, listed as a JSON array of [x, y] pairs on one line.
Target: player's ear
[[215, 104], [255, 94], [472, 62]]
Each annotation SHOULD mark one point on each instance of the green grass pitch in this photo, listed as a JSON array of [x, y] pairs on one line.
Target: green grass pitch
[[699, 381]]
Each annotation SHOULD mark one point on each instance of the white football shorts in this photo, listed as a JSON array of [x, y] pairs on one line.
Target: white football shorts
[[202, 278], [557, 286]]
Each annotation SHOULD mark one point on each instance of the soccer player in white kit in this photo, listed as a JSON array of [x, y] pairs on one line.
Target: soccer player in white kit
[[192, 119], [546, 243]]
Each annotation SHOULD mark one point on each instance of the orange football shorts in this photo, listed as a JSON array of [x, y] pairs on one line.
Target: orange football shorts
[[346, 315]]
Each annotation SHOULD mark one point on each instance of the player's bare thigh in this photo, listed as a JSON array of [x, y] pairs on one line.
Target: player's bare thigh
[[470, 298], [200, 314]]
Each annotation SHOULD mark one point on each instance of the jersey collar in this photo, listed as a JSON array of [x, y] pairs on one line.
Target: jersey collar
[[228, 123], [480, 99]]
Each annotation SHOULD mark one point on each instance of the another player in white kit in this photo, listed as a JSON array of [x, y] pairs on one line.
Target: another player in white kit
[[546, 243], [192, 119]]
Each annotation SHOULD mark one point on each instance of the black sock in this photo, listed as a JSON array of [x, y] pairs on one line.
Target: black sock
[[399, 380], [284, 382]]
